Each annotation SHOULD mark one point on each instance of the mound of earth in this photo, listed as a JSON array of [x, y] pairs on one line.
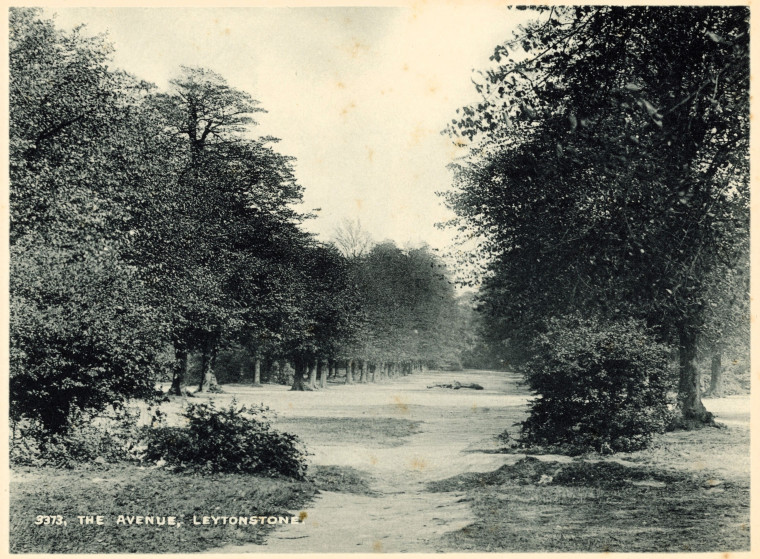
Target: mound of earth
[[532, 471]]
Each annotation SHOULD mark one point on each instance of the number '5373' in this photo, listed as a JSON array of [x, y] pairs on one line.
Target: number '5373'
[[49, 520]]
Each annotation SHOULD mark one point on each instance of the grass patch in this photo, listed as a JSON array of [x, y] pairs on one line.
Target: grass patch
[[129, 490], [596, 507], [367, 431], [342, 479]]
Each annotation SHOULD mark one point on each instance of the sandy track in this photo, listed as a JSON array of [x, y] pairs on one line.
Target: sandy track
[[403, 516], [457, 430]]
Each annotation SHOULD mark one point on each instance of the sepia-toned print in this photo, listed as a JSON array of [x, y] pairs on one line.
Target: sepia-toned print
[[428, 277]]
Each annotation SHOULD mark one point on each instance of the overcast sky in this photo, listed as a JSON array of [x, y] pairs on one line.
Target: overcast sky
[[358, 95]]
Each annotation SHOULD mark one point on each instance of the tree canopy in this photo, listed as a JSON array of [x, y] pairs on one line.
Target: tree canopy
[[149, 226], [608, 171]]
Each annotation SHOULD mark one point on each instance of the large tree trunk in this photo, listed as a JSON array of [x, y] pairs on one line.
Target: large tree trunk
[[281, 371], [716, 375], [363, 372], [349, 368], [267, 369], [692, 410], [322, 371], [179, 372], [257, 372], [330, 369], [208, 378], [313, 375], [299, 376]]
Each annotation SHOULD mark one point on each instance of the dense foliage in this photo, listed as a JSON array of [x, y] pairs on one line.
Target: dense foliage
[[83, 332], [601, 386], [608, 174], [409, 307], [152, 230]]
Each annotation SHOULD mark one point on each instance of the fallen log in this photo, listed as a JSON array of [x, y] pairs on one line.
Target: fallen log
[[457, 385]]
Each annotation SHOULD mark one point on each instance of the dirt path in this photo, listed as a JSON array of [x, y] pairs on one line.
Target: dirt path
[[403, 516], [456, 430]]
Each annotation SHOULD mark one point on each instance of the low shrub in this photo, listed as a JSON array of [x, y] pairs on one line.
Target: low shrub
[[601, 386], [232, 440], [103, 438], [280, 374]]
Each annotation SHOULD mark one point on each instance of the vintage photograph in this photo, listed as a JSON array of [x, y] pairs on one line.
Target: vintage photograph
[[423, 277]]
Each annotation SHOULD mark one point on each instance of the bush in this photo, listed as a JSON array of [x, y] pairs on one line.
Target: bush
[[279, 375], [600, 386], [237, 440], [113, 437], [82, 336]]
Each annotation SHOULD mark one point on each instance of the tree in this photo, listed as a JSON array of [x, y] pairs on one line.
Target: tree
[[84, 334], [727, 328], [351, 239], [411, 315], [609, 170], [205, 109], [231, 210], [326, 310]]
